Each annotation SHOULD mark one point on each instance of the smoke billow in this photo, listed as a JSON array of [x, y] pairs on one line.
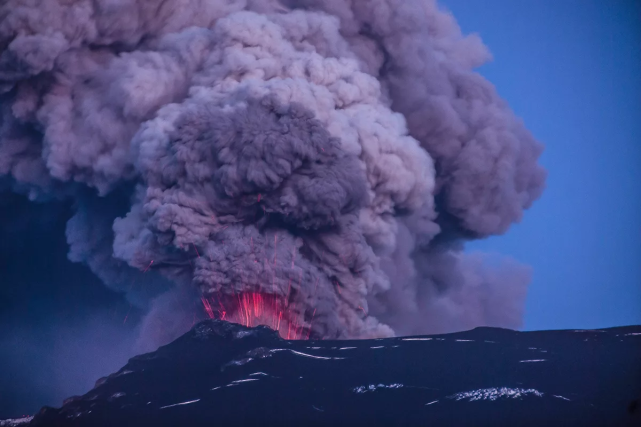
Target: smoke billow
[[332, 154]]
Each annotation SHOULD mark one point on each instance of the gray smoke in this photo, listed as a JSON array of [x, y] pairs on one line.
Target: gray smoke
[[334, 154]]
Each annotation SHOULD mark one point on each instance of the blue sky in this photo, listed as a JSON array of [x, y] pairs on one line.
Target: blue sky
[[572, 70]]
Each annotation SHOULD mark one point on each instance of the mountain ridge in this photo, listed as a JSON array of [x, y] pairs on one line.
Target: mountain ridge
[[227, 373]]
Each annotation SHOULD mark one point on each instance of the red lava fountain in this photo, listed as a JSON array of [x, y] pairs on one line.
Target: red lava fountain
[[254, 308]]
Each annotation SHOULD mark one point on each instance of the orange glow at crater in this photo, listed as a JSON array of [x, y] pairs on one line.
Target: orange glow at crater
[[254, 308]]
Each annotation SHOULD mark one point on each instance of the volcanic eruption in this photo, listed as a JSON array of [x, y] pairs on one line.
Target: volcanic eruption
[[312, 165]]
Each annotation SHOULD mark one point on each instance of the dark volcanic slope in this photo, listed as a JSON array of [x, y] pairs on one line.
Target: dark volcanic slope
[[224, 374]]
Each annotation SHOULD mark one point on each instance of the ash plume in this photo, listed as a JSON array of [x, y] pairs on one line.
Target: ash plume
[[332, 154]]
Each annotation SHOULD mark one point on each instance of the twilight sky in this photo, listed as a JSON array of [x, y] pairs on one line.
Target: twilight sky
[[571, 69]]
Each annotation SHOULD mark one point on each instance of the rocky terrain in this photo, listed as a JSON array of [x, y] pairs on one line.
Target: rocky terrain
[[221, 373]]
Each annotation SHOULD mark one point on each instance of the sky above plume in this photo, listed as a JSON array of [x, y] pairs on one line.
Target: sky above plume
[[370, 147], [571, 70]]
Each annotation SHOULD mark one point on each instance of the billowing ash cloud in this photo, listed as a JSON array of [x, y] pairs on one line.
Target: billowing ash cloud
[[331, 154]]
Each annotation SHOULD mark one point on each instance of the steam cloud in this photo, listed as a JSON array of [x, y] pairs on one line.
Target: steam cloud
[[335, 153]]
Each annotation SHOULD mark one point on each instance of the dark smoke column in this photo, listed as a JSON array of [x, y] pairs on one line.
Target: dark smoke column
[[331, 155]]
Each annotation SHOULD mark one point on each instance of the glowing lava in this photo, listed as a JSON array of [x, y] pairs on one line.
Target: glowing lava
[[253, 308]]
